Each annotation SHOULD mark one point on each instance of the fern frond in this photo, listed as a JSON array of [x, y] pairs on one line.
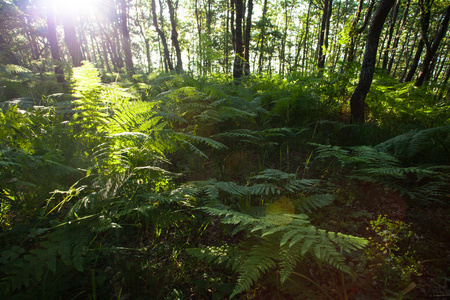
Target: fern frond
[[14, 69], [204, 140], [230, 216], [313, 202], [258, 261], [431, 144]]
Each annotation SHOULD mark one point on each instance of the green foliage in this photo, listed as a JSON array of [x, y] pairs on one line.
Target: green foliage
[[392, 103], [392, 251], [424, 183], [283, 240], [13, 78], [106, 198], [420, 146]]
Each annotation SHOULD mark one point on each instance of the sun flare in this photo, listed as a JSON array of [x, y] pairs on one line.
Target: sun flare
[[76, 6]]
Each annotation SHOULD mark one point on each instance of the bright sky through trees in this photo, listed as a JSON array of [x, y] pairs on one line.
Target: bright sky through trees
[[75, 6]]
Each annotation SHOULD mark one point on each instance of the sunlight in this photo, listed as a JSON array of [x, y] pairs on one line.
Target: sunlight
[[75, 6]]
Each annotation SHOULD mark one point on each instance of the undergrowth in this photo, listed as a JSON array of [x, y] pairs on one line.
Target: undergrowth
[[175, 187]]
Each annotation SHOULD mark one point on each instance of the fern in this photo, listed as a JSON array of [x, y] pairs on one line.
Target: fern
[[420, 146], [373, 165], [14, 69], [314, 202], [281, 238], [283, 241]]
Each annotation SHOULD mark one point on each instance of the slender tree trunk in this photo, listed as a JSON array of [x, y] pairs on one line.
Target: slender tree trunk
[[209, 16], [415, 62], [200, 39], [425, 15], [336, 44], [239, 52], [441, 67], [227, 37], [297, 53], [355, 31], [262, 37], [162, 37], [117, 49], [108, 45], [54, 47], [305, 40], [139, 16], [105, 54], [431, 51], [126, 46], [99, 54], [390, 35], [247, 37], [397, 36], [72, 43], [322, 45], [173, 22], [368, 65], [408, 55]]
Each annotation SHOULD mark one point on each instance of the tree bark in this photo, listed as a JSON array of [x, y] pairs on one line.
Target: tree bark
[[239, 52], [425, 15], [126, 46], [247, 37], [173, 22], [139, 16], [368, 64], [305, 39], [390, 35], [54, 47], [397, 36], [355, 31], [322, 45], [162, 37], [227, 30], [415, 62], [263, 36], [431, 51], [408, 55], [72, 43]]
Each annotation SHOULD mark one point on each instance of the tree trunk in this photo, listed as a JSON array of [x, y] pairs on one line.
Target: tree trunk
[[72, 43], [397, 36], [162, 37], [139, 16], [368, 65], [126, 37], [200, 39], [263, 36], [390, 35], [425, 15], [239, 52], [209, 16], [408, 55], [227, 39], [415, 62], [355, 31], [322, 45], [305, 40], [173, 22], [108, 45], [54, 47], [247, 37], [283, 41], [431, 51]]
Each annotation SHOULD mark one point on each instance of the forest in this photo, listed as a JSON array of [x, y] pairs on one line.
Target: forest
[[228, 149]]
